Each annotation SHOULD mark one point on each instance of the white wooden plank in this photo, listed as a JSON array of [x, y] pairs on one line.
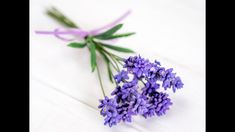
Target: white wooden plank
[[54, 111]]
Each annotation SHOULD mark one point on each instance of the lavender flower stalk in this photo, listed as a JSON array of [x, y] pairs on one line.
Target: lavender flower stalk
[[130, 99]]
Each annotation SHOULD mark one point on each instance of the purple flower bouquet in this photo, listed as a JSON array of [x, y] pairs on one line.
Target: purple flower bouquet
[[138, 83], [130, 98]]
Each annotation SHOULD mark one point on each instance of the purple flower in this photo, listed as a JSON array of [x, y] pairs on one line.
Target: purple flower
[[129, 99], [171, 81], [150, 87], [109, 111], [125, 111], [139, 105], [121, 76], [158, 104], [137, 65], [177, 84], [127, 92]]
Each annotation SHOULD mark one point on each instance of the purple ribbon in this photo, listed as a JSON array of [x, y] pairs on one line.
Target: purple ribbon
[[82, 33]]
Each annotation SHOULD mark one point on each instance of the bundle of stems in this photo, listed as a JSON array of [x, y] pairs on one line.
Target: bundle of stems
[[95, 44]]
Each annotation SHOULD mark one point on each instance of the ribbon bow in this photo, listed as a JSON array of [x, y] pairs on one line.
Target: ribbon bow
[[80, 32]]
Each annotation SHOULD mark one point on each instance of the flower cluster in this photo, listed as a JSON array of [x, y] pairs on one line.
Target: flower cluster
[[137, 85], [137, 91]]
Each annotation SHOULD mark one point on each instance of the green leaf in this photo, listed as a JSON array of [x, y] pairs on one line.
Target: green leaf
[[106, 59], [117, 48], [110, 73], [117, 36], [109, 32], [93, 56], [77, 45]]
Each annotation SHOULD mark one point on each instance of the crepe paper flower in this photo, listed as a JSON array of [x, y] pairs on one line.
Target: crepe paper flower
[[139, 82]]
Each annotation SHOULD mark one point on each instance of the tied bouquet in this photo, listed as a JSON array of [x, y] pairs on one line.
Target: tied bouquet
[[139, 83]]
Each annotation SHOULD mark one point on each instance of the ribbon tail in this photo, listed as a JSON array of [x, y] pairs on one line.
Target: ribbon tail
[[112, 24], [58, 34], [81, 33]]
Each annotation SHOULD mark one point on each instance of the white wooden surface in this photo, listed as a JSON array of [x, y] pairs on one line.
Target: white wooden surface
[[64, 93]]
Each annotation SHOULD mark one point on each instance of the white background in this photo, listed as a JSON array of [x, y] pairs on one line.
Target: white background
[[64, 93]]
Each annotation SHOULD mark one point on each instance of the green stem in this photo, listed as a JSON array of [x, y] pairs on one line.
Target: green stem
[[116, 68], [115, 62], [112, 56], [102, 52], [61, 18], [115, 56], [101, 85], [120, 62]]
